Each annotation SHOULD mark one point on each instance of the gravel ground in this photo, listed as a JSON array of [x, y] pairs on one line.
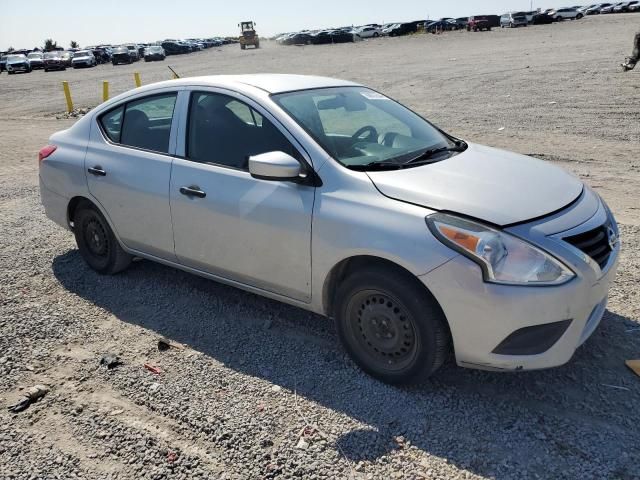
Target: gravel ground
[[262, 390]]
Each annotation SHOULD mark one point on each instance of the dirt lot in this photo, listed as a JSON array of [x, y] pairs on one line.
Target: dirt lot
[[262, 390]]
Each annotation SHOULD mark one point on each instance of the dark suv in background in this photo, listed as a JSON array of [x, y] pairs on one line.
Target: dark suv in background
[[174, 48], [478, 23], [120, 55]]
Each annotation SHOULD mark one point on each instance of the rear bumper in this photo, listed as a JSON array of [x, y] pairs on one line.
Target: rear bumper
[[55, 205]]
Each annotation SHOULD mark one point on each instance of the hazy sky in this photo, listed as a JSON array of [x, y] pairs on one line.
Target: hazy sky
[[26, 23]]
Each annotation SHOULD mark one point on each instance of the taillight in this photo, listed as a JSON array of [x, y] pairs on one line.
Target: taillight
[[45, 152]]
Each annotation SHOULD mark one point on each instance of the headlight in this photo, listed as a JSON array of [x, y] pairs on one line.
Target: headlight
[[504, 259]]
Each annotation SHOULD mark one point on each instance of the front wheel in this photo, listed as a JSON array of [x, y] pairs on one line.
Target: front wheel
[[579, 16], [391, 325], [97, 243]]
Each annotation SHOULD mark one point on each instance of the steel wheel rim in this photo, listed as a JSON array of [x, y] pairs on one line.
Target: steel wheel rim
[[382, 330], [96, 238]]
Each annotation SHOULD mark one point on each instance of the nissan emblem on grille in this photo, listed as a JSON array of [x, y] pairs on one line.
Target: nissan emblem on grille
[[612, 236]]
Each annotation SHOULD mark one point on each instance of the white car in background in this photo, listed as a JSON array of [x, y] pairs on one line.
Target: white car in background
[[566, 14], [83, 58], [367, 32]]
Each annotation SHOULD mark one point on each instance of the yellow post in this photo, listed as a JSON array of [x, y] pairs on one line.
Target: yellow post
[[105, 91], [136, 77], [67, 95]]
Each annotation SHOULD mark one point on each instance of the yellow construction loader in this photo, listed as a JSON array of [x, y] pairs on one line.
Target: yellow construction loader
[[248, 35]]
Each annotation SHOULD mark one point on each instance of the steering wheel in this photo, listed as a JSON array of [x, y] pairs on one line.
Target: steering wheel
[[372, 135]]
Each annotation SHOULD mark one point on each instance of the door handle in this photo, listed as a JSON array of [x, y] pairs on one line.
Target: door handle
[[192, 191], [97, 171]]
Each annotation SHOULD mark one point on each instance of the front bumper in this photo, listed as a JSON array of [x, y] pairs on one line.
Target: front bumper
[[18, 68], [54, 65], [482, 315]]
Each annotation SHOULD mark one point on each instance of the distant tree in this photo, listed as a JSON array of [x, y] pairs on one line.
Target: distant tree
[[74, 44], [49, 44], [10, 49]]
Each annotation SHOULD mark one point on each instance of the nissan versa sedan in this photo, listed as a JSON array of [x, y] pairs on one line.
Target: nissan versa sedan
[[331, 196]]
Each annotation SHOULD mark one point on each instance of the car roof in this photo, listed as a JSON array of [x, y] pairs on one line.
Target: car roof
[[269, 82]]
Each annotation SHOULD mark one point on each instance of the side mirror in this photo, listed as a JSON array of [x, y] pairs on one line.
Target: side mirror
[[275, 166]]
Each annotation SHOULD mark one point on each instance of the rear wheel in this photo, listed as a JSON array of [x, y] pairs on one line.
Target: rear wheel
[[391, 326], [97, 243]]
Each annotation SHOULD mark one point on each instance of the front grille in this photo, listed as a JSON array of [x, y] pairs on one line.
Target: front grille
[[594, 243]]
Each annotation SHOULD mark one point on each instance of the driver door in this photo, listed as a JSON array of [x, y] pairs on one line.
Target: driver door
[[252, 231]]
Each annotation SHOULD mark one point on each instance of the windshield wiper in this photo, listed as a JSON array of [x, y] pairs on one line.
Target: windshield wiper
[[425, 156], [377, 165], [422, 158]]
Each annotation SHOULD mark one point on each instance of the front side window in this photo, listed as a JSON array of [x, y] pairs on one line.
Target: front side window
[[358, 126], [144, 123], [226, 131]]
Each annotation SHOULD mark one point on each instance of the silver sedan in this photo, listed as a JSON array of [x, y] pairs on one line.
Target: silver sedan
[[331, 196]]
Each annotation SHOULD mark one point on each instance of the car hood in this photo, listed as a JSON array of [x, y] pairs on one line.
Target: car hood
[[485, 183]]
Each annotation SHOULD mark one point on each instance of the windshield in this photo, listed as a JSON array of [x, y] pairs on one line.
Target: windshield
[[82, 53], [15, 57], [51, 55], [358, 126], [34, 55]]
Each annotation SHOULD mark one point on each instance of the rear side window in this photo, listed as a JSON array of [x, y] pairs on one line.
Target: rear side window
[[144, 123], [112, 124]]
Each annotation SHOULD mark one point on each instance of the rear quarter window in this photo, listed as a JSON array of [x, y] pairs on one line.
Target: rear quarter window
[[111, 123], [143, 123]]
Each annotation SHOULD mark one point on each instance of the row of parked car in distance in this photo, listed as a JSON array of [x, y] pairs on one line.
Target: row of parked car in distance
[[29, 60], [619, 7], [474, 23]]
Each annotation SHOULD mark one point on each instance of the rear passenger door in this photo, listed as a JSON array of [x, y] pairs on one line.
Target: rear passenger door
[[128, 169]]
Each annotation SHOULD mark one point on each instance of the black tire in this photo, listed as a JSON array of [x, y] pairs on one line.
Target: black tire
[[579, 16], [391, 326], [97, 243], [376, 35]]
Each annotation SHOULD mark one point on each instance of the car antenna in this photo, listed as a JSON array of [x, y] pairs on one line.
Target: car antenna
[[175, 75]]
